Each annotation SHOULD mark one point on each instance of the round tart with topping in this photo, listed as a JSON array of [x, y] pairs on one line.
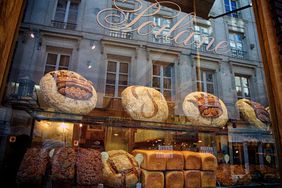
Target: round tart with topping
[[68, 91], [205, 109]]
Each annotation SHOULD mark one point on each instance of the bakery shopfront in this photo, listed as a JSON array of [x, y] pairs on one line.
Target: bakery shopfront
[[139, 93]]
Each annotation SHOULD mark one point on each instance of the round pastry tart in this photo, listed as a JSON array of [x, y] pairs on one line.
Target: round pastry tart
[[205, 109], [144, 103], [120, 169], [68, 91], [254, 113]]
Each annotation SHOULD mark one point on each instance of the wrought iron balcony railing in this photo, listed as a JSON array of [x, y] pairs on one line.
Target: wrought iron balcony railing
[[120, 34], [240, 54], [63, 25]]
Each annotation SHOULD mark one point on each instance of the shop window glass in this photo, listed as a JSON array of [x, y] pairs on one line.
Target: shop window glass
[[238, 133]]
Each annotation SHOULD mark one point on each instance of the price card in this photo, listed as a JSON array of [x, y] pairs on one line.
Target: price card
[[51, 153], [105, 156], [226, 158], [139, 158], [268, 158]]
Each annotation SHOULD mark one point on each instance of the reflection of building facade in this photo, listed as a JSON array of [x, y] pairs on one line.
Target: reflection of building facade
[[67, 36]]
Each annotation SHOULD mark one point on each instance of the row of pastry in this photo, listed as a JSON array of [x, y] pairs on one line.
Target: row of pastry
[[69, 92], [118, 168]]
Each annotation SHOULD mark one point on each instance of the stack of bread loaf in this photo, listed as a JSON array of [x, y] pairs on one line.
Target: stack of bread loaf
[[177, 169]]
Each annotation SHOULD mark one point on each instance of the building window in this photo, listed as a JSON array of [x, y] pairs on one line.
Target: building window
[[117, 78], [231, 5], [206, 81], [201, 37], [121, 20], [57, 59], [236, 45], [162, 79], [163, 37], [66, 14], [242, 84]]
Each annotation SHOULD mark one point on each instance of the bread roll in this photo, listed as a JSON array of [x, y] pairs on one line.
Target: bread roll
[[152, 179], [174, 160], [33, 166], [254, 113], [192, 178], [120, 170], [144, 103], [68, 91], [208, 179], [205, 109], [153, 159], [174, 179], [209, 162], [89, 167], [63, 165], [192, 160]]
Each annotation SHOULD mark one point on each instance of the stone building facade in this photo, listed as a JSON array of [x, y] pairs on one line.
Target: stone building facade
[[65, 34]]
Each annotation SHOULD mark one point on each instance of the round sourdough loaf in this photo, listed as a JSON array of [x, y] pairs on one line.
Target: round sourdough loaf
[[205, 109], [144, 103], [68, 91], [120, 170], [254, 113]]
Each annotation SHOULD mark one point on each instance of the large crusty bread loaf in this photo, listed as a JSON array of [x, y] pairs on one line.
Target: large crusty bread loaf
[[120, 170], [254, 113], [144, 103], [209, 162], [68, 91], [161, 159], [175, 160], [205, 109], [174, 179], [153, 159], [152, 179], [192, 178], [192, 160], [208, 179]]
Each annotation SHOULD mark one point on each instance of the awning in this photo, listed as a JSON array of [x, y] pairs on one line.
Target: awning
[[202, 7]]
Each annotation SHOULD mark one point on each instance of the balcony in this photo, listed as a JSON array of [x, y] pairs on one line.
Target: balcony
[[163, 39], [120, 34], [203, 48], [63, 25], [240, 54]]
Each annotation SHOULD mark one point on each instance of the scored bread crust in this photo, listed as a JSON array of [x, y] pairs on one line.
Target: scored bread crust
[[120, 170], [249, 113], [51, 95], [144, 103], [192, 110]]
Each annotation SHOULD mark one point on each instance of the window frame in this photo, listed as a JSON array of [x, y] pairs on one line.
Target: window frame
[[162, 77], [58, 59], [231, 8], [248, 77], [117, 76], [204, 81], [67, 10], [162, 38]]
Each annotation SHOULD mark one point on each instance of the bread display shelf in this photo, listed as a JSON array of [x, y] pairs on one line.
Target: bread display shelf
[[39, 114]]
